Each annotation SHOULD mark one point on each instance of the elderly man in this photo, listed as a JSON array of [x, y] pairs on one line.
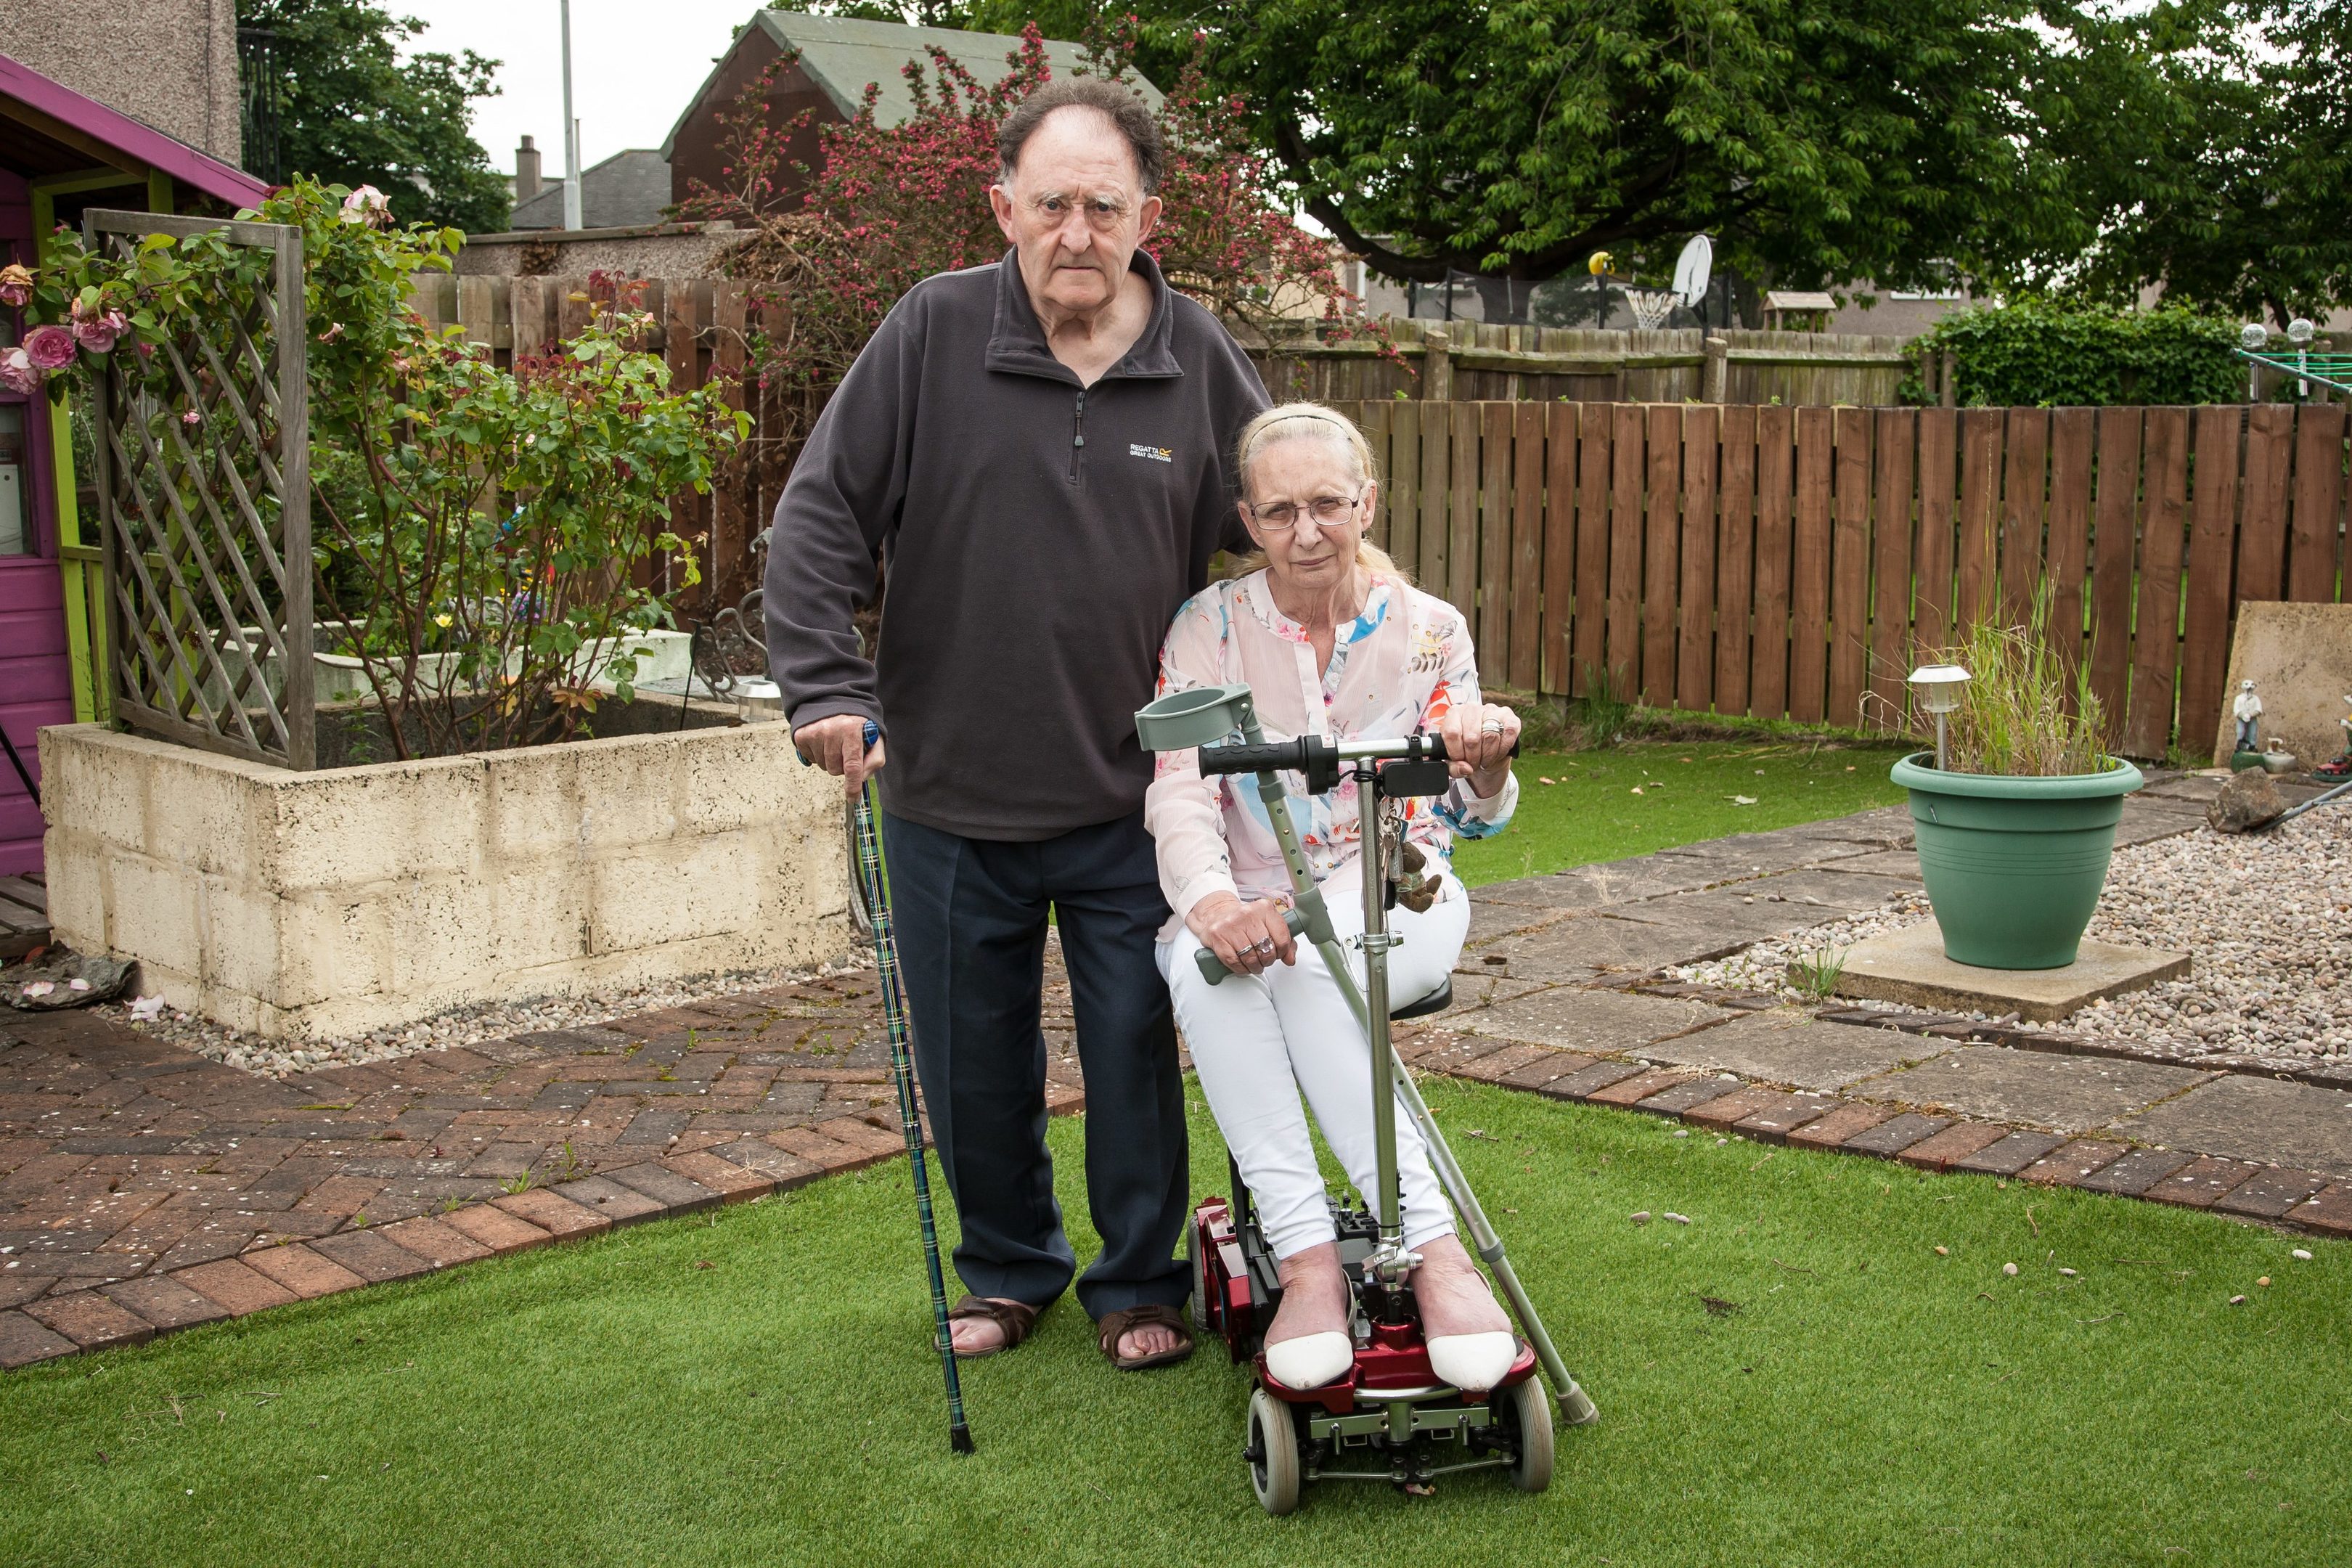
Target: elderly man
[[1042, 450]]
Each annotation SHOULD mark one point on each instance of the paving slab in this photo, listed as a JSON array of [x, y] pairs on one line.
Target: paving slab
[[1735, 915], [2147, 826], [1785, 1045], [1629, 941], [1760, 853], [2240, 1117], [1837, 886], [1903, 865], [2135, 1173], [2010, 1154], [1908, 965], [2269, 1193], [2060, 1094], [1492, 918], [1610, 883], [1599, 1023]]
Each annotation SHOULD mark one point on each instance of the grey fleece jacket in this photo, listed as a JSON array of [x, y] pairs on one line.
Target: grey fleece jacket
[[1039, 537]]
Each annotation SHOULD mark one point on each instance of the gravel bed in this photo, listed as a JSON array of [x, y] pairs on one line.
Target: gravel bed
[[458, 1027], [2266, 918]]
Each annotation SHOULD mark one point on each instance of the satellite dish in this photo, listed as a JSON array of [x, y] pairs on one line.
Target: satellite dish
[[1693, 268]]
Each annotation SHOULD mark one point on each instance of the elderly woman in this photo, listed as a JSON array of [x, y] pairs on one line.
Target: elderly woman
[[1331, 638]]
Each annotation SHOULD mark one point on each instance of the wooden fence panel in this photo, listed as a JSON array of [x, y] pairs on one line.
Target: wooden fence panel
[[1558, 656], [1494, 620], [1767, 667], [1695, 629], [2111, 570], [2023, 491], [1374, 420], [1735, 561], [1977, 558], [2205, 609], [1849, 564], [2318, 505], [1404, 480], [1462, 516], [1808, 583], [1595, 464], [2071, 434], [1897, 442], [2155, 635], [1932, 615], [732, 529], [2263, 520], [1625, 549], [1661, 530], [1526, 578], [1436, 485]]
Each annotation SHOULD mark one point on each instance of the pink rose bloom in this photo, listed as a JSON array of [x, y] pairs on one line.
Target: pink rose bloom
[[49, 348], [366, 204], [16, 286], [97, 334], [16, 372]]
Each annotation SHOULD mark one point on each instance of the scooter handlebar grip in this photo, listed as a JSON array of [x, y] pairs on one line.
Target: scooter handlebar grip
[[1273, 757], [1213, 968]]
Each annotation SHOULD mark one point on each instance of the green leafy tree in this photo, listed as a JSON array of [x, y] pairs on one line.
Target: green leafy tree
[[2231, 169], [1818, 140], [352, 113]]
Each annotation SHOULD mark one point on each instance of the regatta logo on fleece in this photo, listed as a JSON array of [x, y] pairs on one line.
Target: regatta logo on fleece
[[1156, 453]]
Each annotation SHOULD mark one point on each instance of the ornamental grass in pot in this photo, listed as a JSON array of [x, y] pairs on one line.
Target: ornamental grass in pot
[[2016, 830]]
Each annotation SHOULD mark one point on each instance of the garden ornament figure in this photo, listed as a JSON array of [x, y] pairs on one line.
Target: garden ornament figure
[[2340, 765], [2246, 708]]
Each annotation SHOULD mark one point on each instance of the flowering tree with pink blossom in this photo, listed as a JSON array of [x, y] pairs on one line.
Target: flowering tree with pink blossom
[[893, 204]]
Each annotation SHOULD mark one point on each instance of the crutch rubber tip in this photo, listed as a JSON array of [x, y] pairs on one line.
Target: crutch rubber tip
[[1577, 1409], [960, 1439]]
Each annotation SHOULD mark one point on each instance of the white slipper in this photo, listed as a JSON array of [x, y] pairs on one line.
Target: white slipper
[[1472, 1361], [1310, 1361]]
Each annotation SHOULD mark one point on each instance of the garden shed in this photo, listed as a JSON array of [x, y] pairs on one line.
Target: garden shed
[[59, 151]]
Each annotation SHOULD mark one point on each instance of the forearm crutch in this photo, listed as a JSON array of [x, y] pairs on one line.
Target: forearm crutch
[[902, 1072]]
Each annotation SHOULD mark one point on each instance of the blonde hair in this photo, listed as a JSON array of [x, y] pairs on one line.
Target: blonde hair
[[1313, 422]]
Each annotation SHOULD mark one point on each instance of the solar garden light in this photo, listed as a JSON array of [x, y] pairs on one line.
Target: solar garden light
[[2299, 333], [1938, 688]]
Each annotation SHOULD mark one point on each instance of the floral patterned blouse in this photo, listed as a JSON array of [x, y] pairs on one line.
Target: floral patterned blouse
[[1399, 665]]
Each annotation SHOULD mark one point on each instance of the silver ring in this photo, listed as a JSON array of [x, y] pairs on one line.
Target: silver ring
[[1262, 945], [1490, 728]]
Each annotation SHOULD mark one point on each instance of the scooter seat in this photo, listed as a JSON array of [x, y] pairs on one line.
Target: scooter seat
[[1438, 1001]]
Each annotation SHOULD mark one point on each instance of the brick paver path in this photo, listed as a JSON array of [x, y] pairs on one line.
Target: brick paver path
[[143, 1188]]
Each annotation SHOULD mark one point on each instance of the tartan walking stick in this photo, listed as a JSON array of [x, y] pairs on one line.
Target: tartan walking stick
[[902, 1070]]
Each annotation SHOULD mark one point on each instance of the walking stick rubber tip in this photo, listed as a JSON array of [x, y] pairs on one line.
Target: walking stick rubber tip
[[960, 1439]]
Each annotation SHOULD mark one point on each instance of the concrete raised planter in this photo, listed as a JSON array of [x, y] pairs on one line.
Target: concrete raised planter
[[337, 678], [313, 905]]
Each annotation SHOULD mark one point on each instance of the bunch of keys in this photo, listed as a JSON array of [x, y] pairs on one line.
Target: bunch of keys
[[1409, 882]]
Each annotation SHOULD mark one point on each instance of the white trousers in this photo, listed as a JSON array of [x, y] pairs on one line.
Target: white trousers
[[1256, 1041]]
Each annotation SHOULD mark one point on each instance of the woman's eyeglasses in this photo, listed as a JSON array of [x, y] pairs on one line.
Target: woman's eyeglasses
[[1326, 511]]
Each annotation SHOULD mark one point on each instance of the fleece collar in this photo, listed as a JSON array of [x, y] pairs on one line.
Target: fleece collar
[[1016, 340]]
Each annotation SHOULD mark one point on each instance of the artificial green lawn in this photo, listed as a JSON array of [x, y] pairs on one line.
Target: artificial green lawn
[[1867, 1401], [1589, 811]]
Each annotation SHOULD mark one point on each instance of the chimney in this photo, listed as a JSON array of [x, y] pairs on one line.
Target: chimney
[[526, 172]]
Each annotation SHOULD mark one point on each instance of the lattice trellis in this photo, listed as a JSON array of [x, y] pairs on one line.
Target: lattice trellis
[[204, 499]]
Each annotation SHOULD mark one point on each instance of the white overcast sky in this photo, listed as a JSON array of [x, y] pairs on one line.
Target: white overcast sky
[[633, 66]]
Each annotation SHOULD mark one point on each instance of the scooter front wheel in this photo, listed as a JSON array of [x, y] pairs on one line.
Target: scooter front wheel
[[1531, 1417], [1273, 1453]]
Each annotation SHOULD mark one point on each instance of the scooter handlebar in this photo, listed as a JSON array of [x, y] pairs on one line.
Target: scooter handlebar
[[1213, 969], [1304, 754]]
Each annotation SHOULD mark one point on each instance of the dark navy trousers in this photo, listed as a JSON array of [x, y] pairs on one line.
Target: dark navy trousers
[[971, 915]]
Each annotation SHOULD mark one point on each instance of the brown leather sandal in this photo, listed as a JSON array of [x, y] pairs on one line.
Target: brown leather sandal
[[1016, 1319], [1113, 1325]]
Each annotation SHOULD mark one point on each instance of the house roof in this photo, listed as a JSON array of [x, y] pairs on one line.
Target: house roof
[[54, 130], [627, 190], [843, 56]]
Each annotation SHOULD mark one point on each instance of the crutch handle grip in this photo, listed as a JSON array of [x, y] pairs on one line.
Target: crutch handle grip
[[1213, 968]]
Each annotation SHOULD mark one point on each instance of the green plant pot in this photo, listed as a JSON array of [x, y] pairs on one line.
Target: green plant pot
[[2013, 866]]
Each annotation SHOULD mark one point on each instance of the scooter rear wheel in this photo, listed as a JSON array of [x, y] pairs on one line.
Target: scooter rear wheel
[[1273, 1453], [1198, 1308], [1531, 1416]]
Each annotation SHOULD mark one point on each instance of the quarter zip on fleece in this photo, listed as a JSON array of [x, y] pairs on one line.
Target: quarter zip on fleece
[[1077, 433]]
